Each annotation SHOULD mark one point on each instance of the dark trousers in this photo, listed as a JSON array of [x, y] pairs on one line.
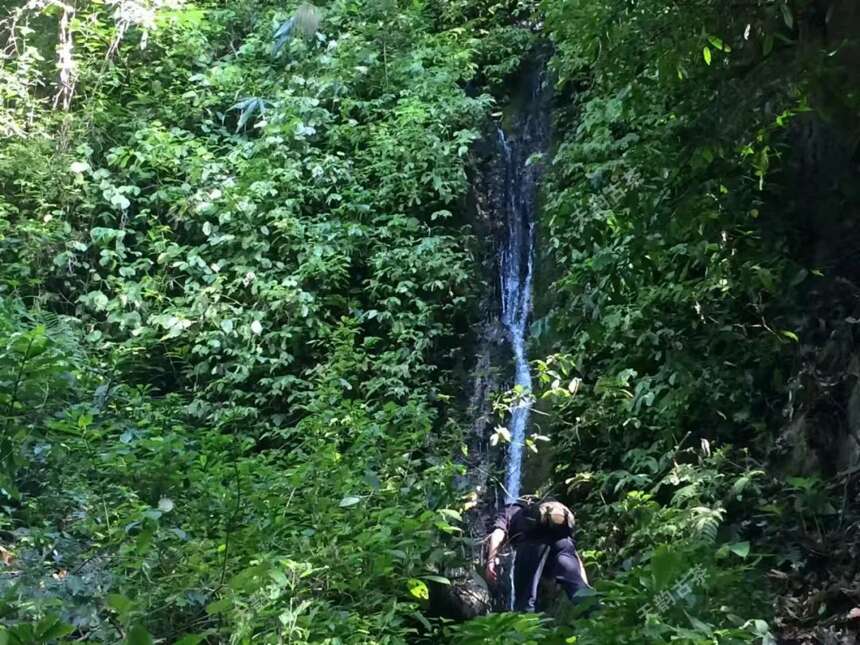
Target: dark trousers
[[534, 560]]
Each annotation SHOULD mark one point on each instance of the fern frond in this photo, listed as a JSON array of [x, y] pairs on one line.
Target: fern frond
[[706, 522]]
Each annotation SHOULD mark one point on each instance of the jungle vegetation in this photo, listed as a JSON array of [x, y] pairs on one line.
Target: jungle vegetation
[[240, 282]]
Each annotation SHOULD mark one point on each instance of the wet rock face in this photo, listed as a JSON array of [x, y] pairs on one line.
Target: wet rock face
[[494, 201], [821, 434], [822, 430], [820, 437], [466, 597]]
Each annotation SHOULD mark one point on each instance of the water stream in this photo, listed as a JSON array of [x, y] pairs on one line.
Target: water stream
[[519, 155], [516, 263], [506, 192]]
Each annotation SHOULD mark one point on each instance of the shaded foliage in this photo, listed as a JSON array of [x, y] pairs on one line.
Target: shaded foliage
[[671, 254]]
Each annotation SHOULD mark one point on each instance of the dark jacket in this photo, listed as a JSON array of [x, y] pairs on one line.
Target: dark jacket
[[521, 525]]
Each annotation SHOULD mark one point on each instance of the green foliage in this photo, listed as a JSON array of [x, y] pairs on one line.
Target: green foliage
[[237, 280], [666, 338], [529, 629], [233, 432], [124, 490]]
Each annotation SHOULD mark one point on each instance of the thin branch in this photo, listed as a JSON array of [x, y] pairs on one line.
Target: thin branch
[[231, 522], [65, 61]]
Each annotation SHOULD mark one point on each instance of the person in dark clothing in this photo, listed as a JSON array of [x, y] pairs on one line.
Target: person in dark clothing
[[542, 535]]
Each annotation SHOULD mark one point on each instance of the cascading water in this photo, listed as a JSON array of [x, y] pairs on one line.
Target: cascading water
[[516, 262], [518, 154], [505, 196]]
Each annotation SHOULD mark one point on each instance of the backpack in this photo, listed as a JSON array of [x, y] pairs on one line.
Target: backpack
[[549, 517]]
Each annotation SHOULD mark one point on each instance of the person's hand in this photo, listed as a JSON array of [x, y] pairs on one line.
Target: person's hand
[[494, 541], [492, 573]]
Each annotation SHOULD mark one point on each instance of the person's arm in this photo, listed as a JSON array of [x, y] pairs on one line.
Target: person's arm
[[495, 540]]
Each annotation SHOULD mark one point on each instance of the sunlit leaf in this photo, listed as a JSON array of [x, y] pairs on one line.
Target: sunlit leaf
[[790, 335], [716, 42], [418, 589]]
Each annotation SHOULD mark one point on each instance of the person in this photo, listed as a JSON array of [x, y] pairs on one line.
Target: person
[[542, 535]]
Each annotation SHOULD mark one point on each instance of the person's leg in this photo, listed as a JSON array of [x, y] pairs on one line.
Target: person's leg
[[528, 566], [566, 569]]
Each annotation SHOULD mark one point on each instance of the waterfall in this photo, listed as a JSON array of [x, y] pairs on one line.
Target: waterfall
[[516, 262], [516, 256], [505, 191]]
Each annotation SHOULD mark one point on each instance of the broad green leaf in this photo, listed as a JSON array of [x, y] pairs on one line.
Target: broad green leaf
[[119, 603], [418, 589], [442, 580], [219, 606], [664, 565], [98, 300], [741, 549], [51, 628], [787, 16], [190, 639], [247, 578], [138, 636]]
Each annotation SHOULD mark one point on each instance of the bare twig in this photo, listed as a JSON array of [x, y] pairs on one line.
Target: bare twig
[[65, 61]]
